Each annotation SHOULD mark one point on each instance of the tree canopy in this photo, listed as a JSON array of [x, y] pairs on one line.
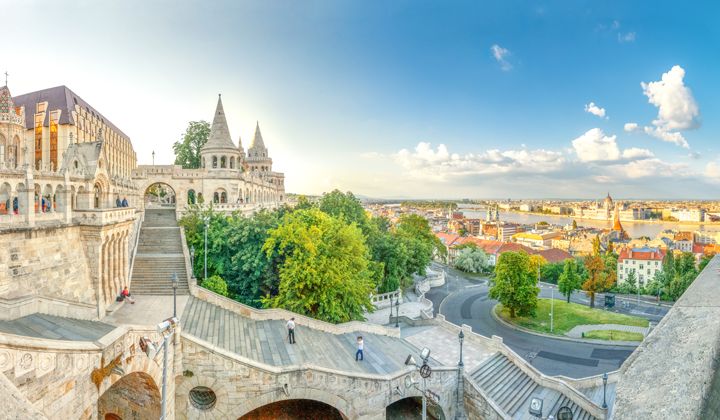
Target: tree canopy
[[472, 260], [515, 284], [598, 279], [187, 151], [323, 267], [570, 280]]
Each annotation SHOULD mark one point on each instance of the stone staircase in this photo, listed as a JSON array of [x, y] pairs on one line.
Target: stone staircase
[[159, 256], [512, 390]]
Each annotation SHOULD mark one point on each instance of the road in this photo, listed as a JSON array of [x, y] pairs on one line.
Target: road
[[464, 300]]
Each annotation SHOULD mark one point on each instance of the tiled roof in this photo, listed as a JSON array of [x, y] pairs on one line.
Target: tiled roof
[[649, 254], [59, 97], [683, 236], [554, 255]]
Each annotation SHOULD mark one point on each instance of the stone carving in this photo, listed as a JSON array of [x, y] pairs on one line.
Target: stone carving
[[26, 361]]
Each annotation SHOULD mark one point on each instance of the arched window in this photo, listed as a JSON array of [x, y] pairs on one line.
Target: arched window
[[203, 163], [223, 197], [232, 162], [97, 196], [222, 162], [214, 162], [216, 198], [191, 197]]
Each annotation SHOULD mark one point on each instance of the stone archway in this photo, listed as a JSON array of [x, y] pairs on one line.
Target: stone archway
[[159, 195], [295, 409], [135, 395], [411, 408]]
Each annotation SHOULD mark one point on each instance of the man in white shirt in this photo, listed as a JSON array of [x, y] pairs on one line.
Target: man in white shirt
[[291, 330]]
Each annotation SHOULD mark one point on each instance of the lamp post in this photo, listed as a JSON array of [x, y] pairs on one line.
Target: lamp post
[[166, 329], [605, 378], [174, 286], [153, 155], [207, 224], [552, 307], [391, 308], [460, 390], [397, 312], [425, 372]]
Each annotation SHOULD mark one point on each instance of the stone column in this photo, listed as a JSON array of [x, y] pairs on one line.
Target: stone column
[[103, 273], [115, 266], [29, 196]]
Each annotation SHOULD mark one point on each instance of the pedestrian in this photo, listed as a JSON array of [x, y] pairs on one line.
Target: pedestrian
[[124, 202], [360, 346], [118, 203], [126, 295], [291, 330]]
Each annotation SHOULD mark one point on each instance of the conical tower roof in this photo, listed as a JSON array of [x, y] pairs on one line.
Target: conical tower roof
[[6, 102], [616, 223], [257, 140], [219, 133]]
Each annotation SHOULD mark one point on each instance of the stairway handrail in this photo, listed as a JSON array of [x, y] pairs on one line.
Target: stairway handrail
[[137, 241]]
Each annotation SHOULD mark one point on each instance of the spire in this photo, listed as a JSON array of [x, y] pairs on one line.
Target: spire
[[219, 132], [616, 222], [6, 102], [257, 141]]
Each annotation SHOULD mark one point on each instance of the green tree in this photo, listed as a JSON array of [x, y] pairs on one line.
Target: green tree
[[515, 284], [598, 279], [570, 279], [668, 264], [344, 206], [414, 231], [471, 260], [685, 264], [704, 261], [323, 267], [187, 151], [550, 272], [596, 245], [216, 284], [537, 262]]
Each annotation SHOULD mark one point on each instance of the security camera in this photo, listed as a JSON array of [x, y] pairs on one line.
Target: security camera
[[425, 353]]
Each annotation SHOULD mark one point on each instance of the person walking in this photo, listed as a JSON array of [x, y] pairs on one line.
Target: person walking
[[291, 330], [360, 346]]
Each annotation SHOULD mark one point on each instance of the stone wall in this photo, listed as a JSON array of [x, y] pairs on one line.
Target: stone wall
[[478, 405], [672, 374], [44, 262], [241, 386]]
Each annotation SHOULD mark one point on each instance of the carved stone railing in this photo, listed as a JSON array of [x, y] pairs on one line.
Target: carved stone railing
[[100, 217], [384, 300]]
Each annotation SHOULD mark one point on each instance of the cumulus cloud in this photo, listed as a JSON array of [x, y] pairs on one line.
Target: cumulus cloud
[[626, 37], [677, 109], [595, 146], [501, 56], [426, 162], [712, 172], [651, 168], [595, 110], [668, 136], [630, 127]]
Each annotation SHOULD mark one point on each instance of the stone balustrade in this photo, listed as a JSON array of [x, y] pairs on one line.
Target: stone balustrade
[[101, 217], [384, 300]]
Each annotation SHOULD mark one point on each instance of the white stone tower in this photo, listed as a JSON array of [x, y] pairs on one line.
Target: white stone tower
[[258, 158], [220, 153]]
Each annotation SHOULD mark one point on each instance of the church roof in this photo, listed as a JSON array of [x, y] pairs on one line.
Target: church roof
[[219, 133], [257, 141], [6, 102], [59, 97]]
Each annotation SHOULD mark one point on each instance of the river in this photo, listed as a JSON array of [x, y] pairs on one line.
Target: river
[[634, 229]]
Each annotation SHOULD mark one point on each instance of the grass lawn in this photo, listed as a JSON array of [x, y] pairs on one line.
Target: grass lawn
[[614, 335], [567, 316]]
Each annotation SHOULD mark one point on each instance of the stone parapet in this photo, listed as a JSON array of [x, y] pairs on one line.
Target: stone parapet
[[674, 371], [100, 217]]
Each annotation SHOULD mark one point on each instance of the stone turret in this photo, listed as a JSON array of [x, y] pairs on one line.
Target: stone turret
[[258, 157], [220, 152]]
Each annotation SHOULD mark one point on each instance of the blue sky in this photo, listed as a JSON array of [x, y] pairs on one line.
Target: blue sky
[[404, 98]]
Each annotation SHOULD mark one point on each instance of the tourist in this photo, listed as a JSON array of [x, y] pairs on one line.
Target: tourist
[[291, 330], [126, 295], [125, 202], [117, 202], [359, 352]]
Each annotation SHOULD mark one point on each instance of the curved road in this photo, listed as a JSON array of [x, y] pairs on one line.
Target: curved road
[[466, 301]]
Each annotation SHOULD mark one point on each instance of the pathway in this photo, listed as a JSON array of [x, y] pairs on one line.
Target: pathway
[[55, 328], [579, 330]]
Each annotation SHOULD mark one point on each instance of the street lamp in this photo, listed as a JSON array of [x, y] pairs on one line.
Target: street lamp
[[605, 378], [425, 372], [192, 259], [207, 225], [166, 329], [153, 155], [397, 312], [391, 308], [174, 286], [460, 391]]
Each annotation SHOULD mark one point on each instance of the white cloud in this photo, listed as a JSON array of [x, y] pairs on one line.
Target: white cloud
[[501, 56], [626, 37], [651, 168], [630, 127], [712, 172], [594, 146], [439, 164], [635, 153], [668, 136], [677, 109], [595, 110]]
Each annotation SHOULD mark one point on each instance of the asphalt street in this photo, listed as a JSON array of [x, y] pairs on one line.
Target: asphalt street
[[464, 300]]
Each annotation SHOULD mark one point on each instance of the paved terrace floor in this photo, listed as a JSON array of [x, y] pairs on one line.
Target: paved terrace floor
[[56, 328], [266, 342]]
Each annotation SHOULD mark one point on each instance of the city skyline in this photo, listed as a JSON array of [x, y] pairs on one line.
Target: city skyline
[[406, 100]]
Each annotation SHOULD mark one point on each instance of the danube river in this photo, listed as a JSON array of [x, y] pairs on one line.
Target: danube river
[[634, 229]]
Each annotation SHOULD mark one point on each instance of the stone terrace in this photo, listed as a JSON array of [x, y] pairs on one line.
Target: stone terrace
[[265, 341]]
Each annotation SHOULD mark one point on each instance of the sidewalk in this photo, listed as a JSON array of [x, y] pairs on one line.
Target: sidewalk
[[408, 309], [579, 330], [147, 310]]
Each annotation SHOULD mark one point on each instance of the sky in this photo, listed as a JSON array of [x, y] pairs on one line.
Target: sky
[[403, 99]]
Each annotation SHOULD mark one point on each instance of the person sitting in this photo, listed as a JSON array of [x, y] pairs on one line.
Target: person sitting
[[126, 295]]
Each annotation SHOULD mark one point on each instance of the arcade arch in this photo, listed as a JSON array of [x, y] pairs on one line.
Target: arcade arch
[[159, 194], [135, 395]]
